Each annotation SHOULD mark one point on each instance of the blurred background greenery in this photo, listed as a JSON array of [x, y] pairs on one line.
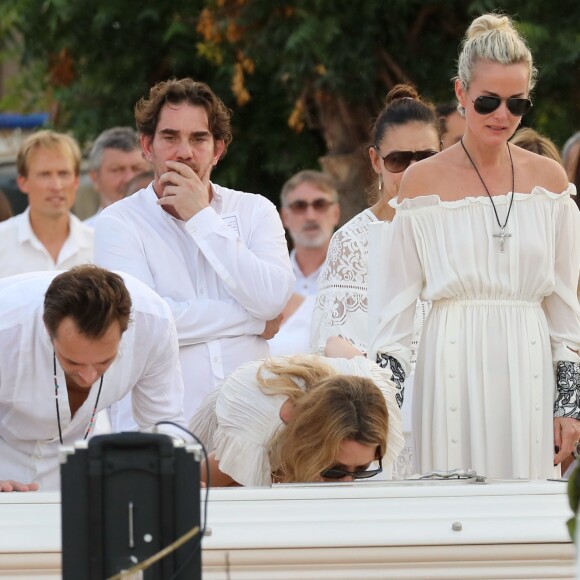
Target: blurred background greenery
[[304, 78]]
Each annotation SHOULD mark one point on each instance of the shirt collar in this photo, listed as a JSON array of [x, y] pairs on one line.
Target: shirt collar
[[26, 233], [298, 272], [217, 197]]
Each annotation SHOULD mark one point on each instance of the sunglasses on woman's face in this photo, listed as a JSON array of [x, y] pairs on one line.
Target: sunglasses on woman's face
[[487, 104], [398, 161], [337, 473]]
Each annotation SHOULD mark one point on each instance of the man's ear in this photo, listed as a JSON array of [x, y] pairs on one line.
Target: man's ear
[[146, 141], [22, 183], [218, 149]]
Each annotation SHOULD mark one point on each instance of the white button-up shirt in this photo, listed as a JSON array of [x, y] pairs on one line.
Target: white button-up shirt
[[224, 273], [146, 366], [304, 285], [21, 251]]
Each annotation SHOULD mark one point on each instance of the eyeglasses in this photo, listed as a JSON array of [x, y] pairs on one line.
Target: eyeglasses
[[300, 205], [398, 161], [336, 473], [486, 104]]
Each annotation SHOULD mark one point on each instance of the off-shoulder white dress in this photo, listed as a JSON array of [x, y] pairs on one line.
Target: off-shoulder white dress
[[484, 386], [238, 420]]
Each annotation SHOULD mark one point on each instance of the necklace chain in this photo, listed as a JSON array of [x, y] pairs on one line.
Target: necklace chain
[[503, 235], [56, 387]]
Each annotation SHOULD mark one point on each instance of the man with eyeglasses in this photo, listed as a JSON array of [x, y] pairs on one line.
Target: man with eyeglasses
[[310, 213], [216, 255]]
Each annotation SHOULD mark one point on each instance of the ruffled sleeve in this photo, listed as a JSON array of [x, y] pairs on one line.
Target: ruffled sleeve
[[562, 307], [245, 422]]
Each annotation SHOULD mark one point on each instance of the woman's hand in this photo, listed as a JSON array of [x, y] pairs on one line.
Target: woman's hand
[[337, 347], [566, 437]]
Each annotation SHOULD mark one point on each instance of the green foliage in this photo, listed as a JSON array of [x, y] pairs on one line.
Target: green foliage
[[320, 64]]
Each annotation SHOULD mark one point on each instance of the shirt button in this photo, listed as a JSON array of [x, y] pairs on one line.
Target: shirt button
[[533, 341], [453, 408], [537, 407], [536, 375], [537, 440], [453, 439], [452, 341], [451, 375]]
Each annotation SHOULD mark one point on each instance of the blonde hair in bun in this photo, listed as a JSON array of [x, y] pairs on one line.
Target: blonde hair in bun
[[493, 37]]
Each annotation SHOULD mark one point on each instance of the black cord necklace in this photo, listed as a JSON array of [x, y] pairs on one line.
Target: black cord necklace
[[502, 233], [92, 420]]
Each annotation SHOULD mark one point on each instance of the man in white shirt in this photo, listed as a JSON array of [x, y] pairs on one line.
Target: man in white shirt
[[72, 344], [46, 236], [115, 159], [310, 212], [216, 255]]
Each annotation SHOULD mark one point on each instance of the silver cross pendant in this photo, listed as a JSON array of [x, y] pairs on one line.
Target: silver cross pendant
[[502, 239]]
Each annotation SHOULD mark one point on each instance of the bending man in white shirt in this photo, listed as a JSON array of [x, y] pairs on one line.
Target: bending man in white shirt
[[217, 256], [71, 345]]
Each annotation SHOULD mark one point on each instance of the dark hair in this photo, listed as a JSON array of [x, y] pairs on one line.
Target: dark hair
[[403, 105], [176, 91], [92, 296]]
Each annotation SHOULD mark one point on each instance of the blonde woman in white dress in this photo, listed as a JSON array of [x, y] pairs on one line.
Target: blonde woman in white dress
[[488, 232], [304, 418], [405, 131]]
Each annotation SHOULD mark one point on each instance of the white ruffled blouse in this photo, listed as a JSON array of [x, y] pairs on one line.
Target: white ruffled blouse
[[238, 420]]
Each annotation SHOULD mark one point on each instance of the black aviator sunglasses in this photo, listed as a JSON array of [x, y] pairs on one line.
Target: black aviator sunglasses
[[486, 104], [336, 473]]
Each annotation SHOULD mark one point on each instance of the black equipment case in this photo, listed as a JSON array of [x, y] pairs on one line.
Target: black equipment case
[[125, 497]]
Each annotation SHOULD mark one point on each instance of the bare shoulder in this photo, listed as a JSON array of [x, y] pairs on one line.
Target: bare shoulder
[[537, 170], [428, 177]]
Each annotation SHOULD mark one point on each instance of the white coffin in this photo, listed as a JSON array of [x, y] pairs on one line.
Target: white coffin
[[497, 530]]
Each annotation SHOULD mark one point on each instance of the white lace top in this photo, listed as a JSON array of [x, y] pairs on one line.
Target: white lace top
[[342, 303]]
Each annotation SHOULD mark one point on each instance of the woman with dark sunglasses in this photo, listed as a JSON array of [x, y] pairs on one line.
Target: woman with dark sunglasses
[[300, 419], [488, 232], [406, 131]]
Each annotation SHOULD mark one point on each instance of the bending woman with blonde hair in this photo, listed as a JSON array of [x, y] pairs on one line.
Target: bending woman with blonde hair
[[300, 419]]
